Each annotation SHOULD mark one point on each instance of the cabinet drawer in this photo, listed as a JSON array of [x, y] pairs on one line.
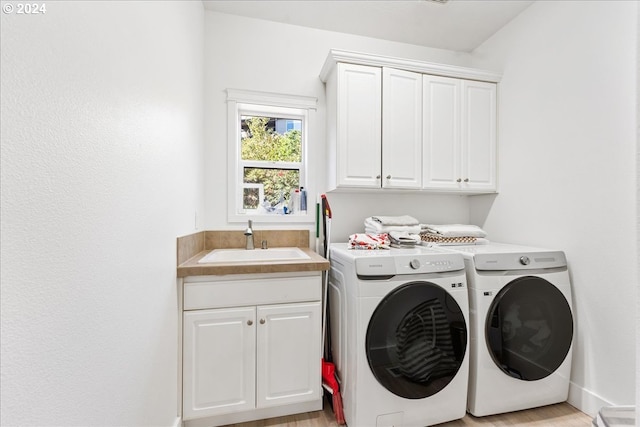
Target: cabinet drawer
[[236, 292]]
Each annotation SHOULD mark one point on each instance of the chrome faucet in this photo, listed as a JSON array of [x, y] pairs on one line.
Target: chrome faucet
[[249, 233]]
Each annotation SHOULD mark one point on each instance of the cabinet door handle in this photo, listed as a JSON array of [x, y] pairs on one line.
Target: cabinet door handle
[[466, 180], [388, 176], [262, 321], [377, 176], [459, 180], [249, 322]]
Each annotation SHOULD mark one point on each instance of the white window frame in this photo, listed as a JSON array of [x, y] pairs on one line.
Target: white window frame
[[243, 103]]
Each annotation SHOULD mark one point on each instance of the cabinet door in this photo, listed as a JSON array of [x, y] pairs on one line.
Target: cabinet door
[[218, 362], [479, 135], [359, 110], [288, 354], [401, 129], [441, 160]]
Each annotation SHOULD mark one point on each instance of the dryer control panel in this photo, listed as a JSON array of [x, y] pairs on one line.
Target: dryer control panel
[[520, 261]]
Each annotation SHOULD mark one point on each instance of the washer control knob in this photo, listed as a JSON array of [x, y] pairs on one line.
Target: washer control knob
[[415, 264], [524, 260]]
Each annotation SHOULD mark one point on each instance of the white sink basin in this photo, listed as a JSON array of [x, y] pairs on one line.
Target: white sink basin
[[255, 255]]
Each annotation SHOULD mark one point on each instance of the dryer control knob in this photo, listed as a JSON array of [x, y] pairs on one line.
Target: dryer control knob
[[415, 264], [524, 260]]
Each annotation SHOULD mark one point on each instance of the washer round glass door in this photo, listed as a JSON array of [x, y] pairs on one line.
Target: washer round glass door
[[529, 328], [416, 340]]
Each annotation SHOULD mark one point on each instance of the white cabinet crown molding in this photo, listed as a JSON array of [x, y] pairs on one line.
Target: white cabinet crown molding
[[358, 58]]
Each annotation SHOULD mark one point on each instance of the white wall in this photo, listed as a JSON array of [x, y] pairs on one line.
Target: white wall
[[245, 53], [101, 169], [567, 163], [638, 206]]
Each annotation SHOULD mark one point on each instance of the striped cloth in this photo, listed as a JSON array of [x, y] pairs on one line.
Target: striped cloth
[[424, 345], [437, 238], [454, 230]]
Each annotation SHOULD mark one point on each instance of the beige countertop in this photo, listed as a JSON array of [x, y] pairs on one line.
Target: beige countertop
[[192, 248], [191, 267]]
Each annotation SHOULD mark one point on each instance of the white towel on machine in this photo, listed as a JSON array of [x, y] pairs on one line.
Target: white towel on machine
[[372, 226], [396, 220], [404, 237]]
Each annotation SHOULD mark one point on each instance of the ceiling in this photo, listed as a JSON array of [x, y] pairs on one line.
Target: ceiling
[[459, 25]]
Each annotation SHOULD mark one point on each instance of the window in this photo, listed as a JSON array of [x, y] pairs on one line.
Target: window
[[268, 148], [271, 162]]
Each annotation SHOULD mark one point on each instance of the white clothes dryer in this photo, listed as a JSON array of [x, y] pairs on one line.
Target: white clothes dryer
[[399, 335], [521, 332]]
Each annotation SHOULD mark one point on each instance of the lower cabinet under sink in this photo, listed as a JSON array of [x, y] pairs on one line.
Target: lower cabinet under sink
[[251, 347]]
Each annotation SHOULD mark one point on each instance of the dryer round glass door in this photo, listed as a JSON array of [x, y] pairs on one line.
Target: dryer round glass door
[[529, 328], [416, 340]]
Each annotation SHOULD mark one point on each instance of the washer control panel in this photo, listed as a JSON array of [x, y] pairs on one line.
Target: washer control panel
[[428, 263], [408, 264]]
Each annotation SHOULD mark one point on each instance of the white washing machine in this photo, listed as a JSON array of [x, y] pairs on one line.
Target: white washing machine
[[399, 335], [521, 331]]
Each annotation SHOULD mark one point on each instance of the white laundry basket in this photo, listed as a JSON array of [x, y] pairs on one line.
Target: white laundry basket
[[615, 416]]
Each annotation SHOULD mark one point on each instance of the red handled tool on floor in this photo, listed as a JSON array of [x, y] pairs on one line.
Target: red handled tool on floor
[[329, 376], [330, 383]]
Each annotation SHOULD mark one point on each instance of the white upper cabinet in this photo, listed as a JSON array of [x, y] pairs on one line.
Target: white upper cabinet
[[354, 110], [479, 146], [401, 129], [409, 125], [459, 134], [441, 161]]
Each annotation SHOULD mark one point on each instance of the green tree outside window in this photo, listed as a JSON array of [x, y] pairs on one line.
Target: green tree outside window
[[274, 159]]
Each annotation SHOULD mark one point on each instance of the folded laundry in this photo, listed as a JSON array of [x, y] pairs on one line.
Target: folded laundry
[[369, 241], [396, 220], [374, 230], [454, 230], [404, 237], [388, 229], [438, 240], [372, 226]]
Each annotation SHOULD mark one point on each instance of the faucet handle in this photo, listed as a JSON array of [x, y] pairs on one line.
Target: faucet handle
[[264, 244]]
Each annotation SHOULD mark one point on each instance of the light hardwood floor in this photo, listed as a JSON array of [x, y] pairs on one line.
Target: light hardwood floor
[[560, 415]]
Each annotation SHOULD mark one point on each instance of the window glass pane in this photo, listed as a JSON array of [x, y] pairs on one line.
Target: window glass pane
[[271, 139], [250, 198], [277, 183]]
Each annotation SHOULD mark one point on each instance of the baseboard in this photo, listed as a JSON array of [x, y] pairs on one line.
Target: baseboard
[[586, 401], [256, 414]]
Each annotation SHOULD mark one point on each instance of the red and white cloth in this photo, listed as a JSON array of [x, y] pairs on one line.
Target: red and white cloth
[[369, 241]]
